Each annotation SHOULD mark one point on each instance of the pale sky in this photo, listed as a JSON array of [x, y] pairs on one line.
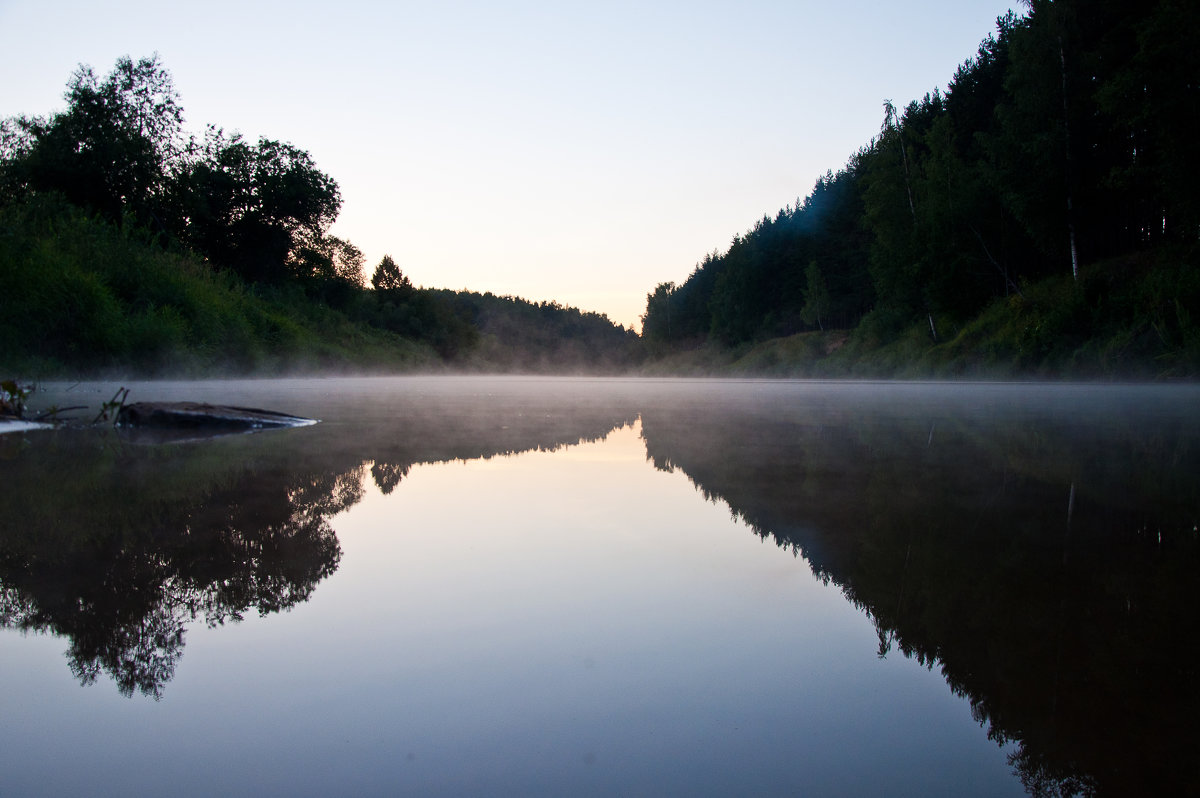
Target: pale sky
[[576, 152]]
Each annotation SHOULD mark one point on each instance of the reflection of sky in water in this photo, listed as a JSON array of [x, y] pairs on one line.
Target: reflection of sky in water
[[567, 622]]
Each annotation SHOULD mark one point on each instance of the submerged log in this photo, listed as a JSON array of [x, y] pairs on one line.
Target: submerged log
[[198, 416]]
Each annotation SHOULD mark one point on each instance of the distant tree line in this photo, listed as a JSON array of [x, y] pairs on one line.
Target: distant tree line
[[1067, 140], [522, 335], [257, 211]]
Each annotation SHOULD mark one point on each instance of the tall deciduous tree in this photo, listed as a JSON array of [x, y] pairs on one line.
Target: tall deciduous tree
[[109, 151], [251, 207]]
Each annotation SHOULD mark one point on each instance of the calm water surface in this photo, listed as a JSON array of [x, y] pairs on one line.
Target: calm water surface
[[486, 586]]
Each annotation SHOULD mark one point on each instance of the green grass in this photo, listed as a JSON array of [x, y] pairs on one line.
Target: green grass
[[78, 296], [1123, 319], [1134, 318]]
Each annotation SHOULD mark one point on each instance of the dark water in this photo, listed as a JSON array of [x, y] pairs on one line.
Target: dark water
[[479, 586]]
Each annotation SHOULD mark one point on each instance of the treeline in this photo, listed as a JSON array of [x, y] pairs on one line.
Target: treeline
[[519, 335], [127, 244], [80, 296], [1063, 149], [477, 331]]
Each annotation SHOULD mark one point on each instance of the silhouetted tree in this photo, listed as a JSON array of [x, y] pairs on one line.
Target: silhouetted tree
[[109, 151], [389, 278], [251, 207]]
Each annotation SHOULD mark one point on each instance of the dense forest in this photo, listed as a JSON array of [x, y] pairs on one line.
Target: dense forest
[[1038, 216], [128, 245], [1040, 213]]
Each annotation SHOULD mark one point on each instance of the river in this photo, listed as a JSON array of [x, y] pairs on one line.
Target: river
[[571, 586]]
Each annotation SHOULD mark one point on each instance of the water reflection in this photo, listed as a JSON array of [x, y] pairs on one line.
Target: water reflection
[[119, 548], [118, 544], [1041, 551], [1036, 545]]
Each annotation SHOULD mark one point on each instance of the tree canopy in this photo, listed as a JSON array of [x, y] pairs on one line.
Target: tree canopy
[[118, 150], [110, 151], [129, 243], [1065, 140], [256, 208]]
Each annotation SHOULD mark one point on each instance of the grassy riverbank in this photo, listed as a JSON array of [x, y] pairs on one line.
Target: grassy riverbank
[[82, 297], [78, 296], [1131, 318]]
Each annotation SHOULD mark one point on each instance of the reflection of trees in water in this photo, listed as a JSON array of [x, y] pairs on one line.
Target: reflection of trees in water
[[140, 654], [388, 475], [124, 603], [120, 547], [1071, 638]]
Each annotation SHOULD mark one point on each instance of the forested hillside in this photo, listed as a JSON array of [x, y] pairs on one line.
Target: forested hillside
[[1038, 215], [1050, 189], [126, 245]]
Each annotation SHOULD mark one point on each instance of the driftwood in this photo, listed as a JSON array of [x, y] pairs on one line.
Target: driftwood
[[196, 416], [167, 422]]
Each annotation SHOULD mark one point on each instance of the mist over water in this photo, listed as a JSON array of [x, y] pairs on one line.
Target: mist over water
[[464, 585]]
